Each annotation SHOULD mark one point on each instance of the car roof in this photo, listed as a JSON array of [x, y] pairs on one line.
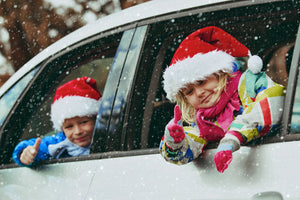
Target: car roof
[[139, 12]]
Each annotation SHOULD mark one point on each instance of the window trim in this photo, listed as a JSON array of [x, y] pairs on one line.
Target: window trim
[[203, 8], [95, 156], [290, 91]]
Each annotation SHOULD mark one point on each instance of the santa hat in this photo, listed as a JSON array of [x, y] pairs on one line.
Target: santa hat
[[203, 53], [76, 98]]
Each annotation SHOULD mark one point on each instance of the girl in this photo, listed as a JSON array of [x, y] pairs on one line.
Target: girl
[[219, 100], [73, 113]]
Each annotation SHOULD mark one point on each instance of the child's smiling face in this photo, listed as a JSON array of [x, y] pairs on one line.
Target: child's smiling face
[[203, 94], [79, 130]]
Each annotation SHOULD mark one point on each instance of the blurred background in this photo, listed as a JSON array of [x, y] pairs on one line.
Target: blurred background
[[28, 27]]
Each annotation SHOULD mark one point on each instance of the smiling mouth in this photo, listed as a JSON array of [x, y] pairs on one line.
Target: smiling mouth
[[81, 139], [206, 99]]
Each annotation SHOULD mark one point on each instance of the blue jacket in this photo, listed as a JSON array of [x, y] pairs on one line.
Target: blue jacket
[[43, 153]]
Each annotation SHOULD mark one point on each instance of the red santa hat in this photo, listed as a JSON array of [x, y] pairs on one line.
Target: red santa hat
[[76, 98], [203, 53]]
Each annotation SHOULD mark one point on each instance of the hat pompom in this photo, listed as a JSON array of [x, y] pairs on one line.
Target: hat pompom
[[255, 64]]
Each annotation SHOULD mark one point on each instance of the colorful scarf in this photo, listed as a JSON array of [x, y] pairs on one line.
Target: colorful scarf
[[222, 112]]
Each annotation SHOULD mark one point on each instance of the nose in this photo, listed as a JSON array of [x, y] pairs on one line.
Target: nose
[[199, 91], [77, 130]]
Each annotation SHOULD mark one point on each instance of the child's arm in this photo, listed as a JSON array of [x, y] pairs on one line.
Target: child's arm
[[256, 120], [25, 147], [180, 145], [42, 152], [263, 113]]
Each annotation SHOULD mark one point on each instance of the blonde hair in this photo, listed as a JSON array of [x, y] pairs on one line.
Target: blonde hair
[[188, 112]]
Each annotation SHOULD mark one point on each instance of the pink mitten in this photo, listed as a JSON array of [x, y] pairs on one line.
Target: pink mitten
[[175, 130], [230, 143], [222, 160]]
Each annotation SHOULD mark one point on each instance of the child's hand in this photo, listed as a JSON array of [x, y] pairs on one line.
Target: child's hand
[[230, 143], [175, 130], [222, 160], [30, 152]]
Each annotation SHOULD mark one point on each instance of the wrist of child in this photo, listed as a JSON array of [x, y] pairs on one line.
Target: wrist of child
[[173, 146], [229, 142], [225, 147]]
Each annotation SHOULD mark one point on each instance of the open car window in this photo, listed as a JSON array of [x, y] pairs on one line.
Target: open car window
[[93, 58], [264, 29]]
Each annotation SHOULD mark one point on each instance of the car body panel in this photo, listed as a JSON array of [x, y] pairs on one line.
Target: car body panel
[[151, 177], [58, 181]]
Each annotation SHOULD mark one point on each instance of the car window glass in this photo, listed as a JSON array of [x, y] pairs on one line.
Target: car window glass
[[9, 98], [264, 29]]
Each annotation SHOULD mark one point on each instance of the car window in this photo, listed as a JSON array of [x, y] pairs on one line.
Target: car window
[[11, 96], [93, 57], [262, 28]]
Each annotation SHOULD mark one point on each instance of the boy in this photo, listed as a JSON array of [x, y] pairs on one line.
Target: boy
[[73, 113]]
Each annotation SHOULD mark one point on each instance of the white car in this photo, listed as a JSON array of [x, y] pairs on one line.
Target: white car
[[126, 53]]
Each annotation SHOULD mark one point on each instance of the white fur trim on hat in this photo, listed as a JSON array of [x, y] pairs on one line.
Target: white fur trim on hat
[[196, 68], [72, 106]]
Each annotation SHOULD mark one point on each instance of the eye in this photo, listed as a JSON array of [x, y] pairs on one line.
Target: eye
[[84, 121], [200, 82], [188, 91], [68, 126]]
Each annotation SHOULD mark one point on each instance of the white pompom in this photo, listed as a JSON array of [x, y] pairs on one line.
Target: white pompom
[[255, 64]]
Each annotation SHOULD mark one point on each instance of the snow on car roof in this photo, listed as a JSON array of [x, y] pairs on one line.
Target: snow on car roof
[[142, 11]]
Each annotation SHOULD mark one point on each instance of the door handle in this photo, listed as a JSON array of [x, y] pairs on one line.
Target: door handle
[[269, 195]]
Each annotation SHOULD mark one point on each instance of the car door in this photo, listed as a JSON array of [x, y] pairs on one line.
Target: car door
[[136, 170]]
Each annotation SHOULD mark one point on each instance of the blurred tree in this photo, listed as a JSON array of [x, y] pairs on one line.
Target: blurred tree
[[28, 27]]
